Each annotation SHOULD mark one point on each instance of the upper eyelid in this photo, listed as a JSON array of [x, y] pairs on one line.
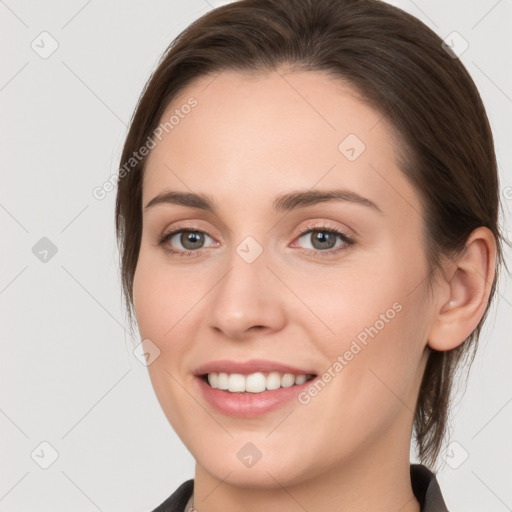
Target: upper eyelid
[[312, 226], [321, 225]]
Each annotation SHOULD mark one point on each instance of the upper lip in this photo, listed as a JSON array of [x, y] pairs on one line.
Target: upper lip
[[248, 367]]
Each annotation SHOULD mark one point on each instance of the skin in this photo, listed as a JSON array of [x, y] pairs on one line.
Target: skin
[[249, 139]]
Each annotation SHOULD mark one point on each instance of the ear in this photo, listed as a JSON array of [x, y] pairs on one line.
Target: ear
[[463, 292]]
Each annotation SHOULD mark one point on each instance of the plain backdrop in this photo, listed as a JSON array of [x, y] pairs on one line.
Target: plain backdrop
[[81, 429]]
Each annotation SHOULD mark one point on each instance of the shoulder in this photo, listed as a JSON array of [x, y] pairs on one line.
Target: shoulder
[[426, 489], [178, 499]]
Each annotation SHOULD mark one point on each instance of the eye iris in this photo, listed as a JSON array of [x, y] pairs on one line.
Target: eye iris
[[326, 239], [192, 237]]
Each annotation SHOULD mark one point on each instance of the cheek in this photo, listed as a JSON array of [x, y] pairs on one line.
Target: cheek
[[148, 300], [370, 374], [355, 302], [160, 298], [160, 302], [373, 325]]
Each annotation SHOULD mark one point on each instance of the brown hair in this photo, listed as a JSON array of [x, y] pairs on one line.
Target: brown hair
[[397, 64]]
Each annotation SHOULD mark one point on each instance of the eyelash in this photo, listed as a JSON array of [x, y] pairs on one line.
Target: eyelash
[[347, 240]]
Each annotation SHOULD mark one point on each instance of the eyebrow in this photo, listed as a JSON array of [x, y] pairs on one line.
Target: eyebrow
[[282, 203]]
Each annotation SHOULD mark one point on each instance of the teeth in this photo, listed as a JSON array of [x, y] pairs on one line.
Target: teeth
[[255, 382], [236, 382], [273, 381], [222, 380], [300, 379]]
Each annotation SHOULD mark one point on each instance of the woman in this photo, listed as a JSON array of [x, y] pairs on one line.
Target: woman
[[307, 217]]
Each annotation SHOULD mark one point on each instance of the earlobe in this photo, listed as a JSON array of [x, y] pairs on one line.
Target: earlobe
[[469, 286]]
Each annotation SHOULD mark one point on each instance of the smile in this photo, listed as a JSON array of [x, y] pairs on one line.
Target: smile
[[257, 382], [252, 388]]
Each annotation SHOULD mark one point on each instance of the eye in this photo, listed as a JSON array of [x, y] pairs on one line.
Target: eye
[[190, 239], [325, 240]]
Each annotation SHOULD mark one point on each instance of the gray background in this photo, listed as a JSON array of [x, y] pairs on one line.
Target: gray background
[[68, 374]]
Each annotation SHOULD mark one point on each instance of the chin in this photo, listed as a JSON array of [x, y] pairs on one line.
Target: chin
[[263, 477], [271, 471]]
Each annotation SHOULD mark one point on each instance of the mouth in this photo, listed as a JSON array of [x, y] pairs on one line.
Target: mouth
[[250, 389], [257, 382]]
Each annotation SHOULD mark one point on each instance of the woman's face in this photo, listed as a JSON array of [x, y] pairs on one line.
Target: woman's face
[[263, 277]]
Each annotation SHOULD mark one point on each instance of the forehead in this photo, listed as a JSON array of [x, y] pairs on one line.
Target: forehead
[[268, 133]]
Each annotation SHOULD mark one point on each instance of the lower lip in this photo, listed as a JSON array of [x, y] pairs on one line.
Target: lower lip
[[249, 405]]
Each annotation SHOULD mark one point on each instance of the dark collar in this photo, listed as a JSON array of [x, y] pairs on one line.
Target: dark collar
[[426, 489], [424, 485], [178, 499]]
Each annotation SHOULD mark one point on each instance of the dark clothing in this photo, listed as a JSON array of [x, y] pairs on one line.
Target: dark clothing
[[426, 489], [424, 485]]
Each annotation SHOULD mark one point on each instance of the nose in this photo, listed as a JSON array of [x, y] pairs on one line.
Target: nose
[[247, 299]]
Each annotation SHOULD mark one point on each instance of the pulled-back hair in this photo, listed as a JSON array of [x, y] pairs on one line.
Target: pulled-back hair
[[398, 65]]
